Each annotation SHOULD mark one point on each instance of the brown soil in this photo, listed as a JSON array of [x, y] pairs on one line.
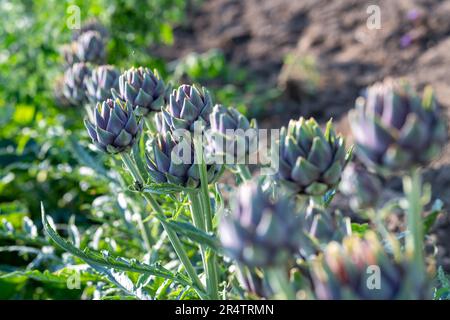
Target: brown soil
[[332, 56]]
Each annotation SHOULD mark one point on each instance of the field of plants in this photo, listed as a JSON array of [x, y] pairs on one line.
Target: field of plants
[[224, 150]]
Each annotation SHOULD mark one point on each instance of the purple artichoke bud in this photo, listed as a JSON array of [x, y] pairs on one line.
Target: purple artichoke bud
[[360, 268], [69, 53], [187, 105], [324, 225], [74, 83], [91, 48], [161, 124], [232, 133], [91, 25], [260, 232], [394, 129], [100, 83], [311, 162], [172, 161], [115, 128], [361, 186], [143, 89]]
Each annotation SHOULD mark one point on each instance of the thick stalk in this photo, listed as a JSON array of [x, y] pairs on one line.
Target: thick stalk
[[173, 237], [414, 242], [210, 256], [244, 172]]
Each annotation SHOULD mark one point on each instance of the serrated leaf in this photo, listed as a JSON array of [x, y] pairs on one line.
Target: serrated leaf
[[105, 262]]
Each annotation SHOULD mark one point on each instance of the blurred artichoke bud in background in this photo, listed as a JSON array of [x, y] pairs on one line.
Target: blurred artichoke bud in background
[[74, 83], [260, 232], [360, 268], [69, 53], [91, 48], [311, 162], [324, 225], [394, 129], [115, 128], [100, 83], [58, 93], [187, 105], [172, 161], [254, 282], [143, 89], [361, 186], [91, 25], [231, 133]]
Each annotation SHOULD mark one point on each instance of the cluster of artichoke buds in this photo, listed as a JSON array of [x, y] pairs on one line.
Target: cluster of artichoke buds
[[74, 88], [363, 187], [360, 268], [188, 105], [311, 162], [115, 128], [394, 129], [260, 232], [100, 82], [143, 89], [231, 134], [172, 161]]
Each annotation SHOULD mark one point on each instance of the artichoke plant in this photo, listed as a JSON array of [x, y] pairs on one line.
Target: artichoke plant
[[311, 162], [360, 268], [100, 83], [115, 128], [74, 88], [90, 47], [225, 137], [394, 129], [260, 232], [172, 161], [187, 105], [143, 89], [361, 186]]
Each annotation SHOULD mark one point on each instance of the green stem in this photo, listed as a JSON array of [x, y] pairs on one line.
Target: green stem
[[175, 241], [244, 172], [280, 282], [173, 237], [197, 218], [145, 231], [210, 256], [126, 158], [414, 240]]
